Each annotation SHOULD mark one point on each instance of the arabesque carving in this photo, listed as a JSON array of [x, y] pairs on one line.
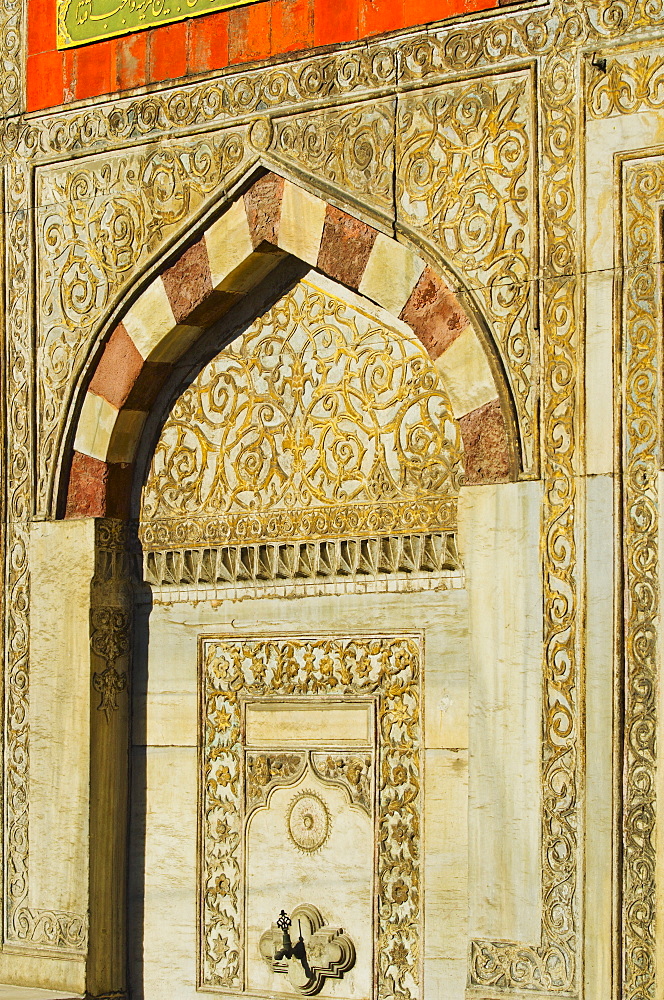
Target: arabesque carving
[[465, 181], [629, 84], [643, 198], [24, 924], [352, 149], [291, 665], [319, 419]]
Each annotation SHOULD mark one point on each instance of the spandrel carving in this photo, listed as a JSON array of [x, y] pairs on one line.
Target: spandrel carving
[[352, 771], [98, 225], [465, 181], [353, 149], [264, 770]]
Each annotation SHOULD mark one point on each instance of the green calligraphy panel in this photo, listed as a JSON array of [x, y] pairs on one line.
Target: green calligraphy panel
[[81, 21]]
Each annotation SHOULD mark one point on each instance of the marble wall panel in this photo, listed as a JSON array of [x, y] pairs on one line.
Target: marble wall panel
[[499, 538], [62, 560], [600, 735], [166, 692]]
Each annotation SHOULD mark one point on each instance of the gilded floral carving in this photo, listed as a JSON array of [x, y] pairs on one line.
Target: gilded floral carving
[[353, 771], [109, 640], [24, 924], [265, 770], [315, 419], [465, 181]]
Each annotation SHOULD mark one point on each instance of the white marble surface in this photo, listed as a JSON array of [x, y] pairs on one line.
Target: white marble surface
[[301, 223], [391, 273], [605, 138], [466, 373], [269, 724], [62, 562], [228, 242], [599, 736], [499, 544], [337, 879]]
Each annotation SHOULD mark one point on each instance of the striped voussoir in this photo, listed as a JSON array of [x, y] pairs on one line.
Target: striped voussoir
[[272, 219]]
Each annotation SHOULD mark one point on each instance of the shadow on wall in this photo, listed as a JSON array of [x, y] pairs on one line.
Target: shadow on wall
[[138, 802]]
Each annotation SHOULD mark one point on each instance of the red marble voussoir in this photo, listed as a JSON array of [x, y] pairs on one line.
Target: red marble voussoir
[[345, 247], [263, 206], [97, 489], [148, 385], [88, 480], [434, 314], [188, 282], [118, 369], [486, 450]]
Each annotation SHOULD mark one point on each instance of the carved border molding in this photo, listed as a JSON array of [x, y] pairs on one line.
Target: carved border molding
[[319, 559], [641, 353], [12, 20], [22, 923]]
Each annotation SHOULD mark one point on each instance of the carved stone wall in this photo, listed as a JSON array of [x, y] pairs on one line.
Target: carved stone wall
[[641, 322], [500, 106]]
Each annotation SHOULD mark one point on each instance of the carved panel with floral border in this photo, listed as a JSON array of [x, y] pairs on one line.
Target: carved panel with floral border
[[641, 352], [388, 667]]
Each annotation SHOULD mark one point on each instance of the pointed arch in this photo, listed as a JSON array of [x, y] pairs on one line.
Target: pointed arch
[[235, 252]]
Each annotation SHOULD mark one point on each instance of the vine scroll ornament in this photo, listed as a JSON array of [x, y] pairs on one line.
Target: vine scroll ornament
[[110, 641], [643, 198]]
